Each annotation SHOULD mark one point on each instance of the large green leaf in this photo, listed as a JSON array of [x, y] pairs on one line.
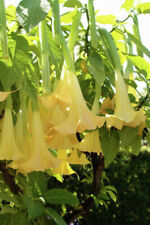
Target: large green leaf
[[141, 64], [109, 144], [73, 3], [143, 8], [127, 135], [55, 216], [30, 13], [128, 4], [136, 145], [35, 207], [36, 183], [111, 48], [96, 68], [7, 76], [60, 196]]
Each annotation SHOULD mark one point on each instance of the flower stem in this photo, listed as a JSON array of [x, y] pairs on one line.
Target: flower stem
[[3, 33], [44, 56]]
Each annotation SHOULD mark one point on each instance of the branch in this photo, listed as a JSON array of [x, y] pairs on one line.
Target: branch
[[9, 179], [98, 166]]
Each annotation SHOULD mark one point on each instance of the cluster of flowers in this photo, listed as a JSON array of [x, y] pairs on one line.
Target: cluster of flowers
[[54, 124]]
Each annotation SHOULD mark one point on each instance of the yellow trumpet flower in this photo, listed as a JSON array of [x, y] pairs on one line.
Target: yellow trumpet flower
[[8, 147], [124, 114], [78, 159], [64, 168], [39, 158], [90, 143], [79, 117], [107, 104], [22, 139], [51, 117]]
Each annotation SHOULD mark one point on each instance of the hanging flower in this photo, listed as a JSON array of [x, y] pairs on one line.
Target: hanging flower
[[21, 136], [124, 114], [39, 158], [51, 117], [8, 147], [79, 117], [90, 143]]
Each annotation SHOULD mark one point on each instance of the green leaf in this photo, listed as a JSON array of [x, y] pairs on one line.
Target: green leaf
[[139, 44], [6, 196], [74, 30], [96, 68], [111, 48], [109, 144], [73, 3], [112, 195], [37, 183], [127, 135], [55, 216], [136, 145], [5, 219], [143, 8], [30, 13], [106, 19], [60, 196], [128, 4], [93, 31], [35, 207], [8, 209], [20, 219], [68, 17], [141, 64], [111, 188]]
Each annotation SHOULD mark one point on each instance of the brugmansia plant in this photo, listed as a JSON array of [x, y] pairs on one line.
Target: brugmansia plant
[[68, 100]]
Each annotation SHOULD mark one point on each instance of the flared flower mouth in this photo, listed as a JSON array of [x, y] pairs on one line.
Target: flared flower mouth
[[79, 117], [124, 114], [39, 159]]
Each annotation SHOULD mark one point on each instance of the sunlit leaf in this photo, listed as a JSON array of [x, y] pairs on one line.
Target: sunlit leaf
[[106, 19], [128, 4], [139, 44], [143, 8], [30, 13], [141, 64], [73, 3], [67, 17]]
